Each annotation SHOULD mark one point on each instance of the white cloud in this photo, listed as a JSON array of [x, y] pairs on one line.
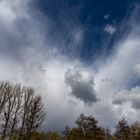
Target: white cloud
[[132, 96], [106, 16], [122, 67], [11, 10], [110, 29], [119, 67], [137, 69]]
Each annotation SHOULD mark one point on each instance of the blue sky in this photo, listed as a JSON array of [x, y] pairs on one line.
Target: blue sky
[[92, 16], [81, 56]]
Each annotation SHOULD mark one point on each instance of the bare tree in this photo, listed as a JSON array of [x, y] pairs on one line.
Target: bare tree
[[17, 95], [8, 108], [35, 115], [32, 112], [21, 111], [4, 91], [27, 97]]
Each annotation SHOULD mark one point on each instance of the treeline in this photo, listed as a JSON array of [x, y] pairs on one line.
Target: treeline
[[87, 129], [22, 112]]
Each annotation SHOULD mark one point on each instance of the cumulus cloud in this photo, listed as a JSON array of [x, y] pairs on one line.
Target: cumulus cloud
[[110, 29], [132, 96], [82, 85]]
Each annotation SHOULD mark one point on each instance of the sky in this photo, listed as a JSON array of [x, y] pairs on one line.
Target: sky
[[81, 56]]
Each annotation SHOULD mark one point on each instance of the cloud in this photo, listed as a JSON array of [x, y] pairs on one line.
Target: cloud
[[110, 29], [9, 11], [82, 85], [119, 67], [137, 69], [29, 56], [106, 16], [122, 67], [132, 96]]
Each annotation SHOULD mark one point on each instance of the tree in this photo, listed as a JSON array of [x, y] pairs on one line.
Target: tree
[[4, 93], [27, 97], [8, 108], [123, 130], [17, 95], [35, 114], [135, 130], [32, 112], [108, 134], [21, 111], [89, 128], [66, 132]]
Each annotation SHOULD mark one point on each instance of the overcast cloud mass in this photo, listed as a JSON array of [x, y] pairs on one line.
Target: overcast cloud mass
[[73, 73]]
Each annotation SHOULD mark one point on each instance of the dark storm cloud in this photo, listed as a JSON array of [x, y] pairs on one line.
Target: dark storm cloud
[[82, 87]]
